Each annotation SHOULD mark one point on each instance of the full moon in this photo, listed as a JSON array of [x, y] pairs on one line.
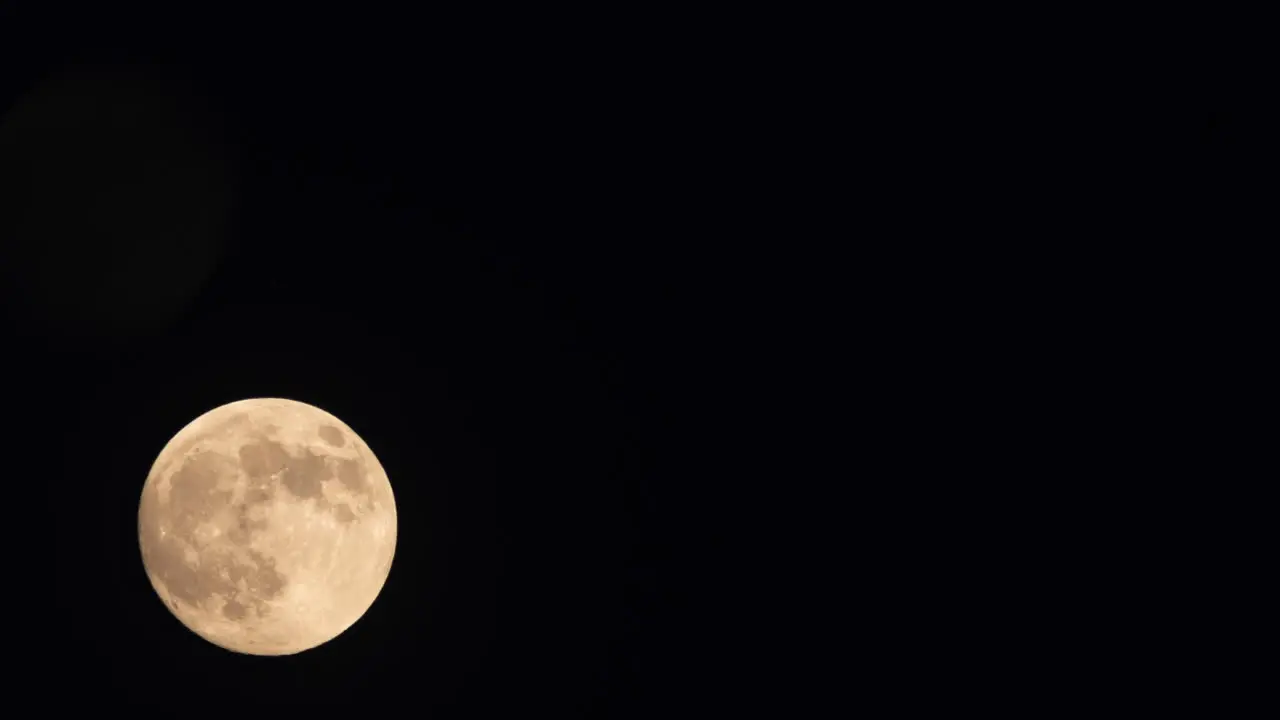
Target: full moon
[[267, 526]]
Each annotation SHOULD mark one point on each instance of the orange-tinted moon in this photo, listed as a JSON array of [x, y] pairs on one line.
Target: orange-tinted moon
[[267, 526]]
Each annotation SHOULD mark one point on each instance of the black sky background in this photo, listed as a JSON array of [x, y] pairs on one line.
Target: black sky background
[[494, 248], [543, 262]]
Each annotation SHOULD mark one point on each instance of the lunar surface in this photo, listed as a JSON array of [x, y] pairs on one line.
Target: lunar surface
[[267, 526]]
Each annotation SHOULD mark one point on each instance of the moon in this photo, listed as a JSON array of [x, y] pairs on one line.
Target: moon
[[267, 526]]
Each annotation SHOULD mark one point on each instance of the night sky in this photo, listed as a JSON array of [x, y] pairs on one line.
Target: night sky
[[565, 273], [486, 245]]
